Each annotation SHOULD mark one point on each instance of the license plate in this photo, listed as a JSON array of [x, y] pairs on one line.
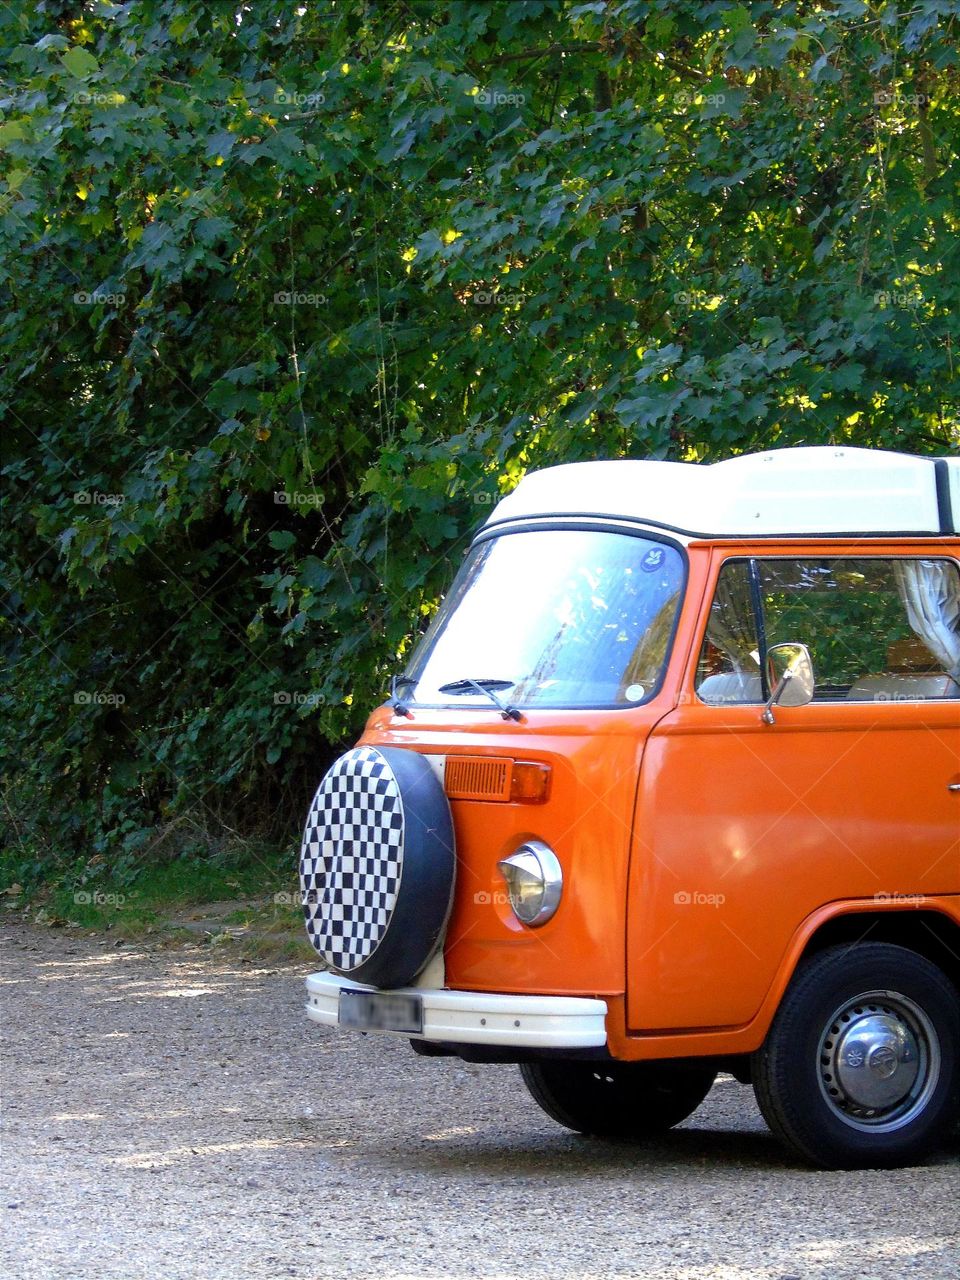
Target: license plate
[[380, 1011]]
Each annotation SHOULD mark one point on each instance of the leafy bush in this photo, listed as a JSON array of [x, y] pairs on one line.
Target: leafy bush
[[293, 291]]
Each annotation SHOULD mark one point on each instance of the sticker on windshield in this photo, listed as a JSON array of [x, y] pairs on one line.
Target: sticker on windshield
[[653, 560], [634, 692]]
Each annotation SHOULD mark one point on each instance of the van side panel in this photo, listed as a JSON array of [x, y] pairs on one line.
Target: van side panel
[[745, 829]]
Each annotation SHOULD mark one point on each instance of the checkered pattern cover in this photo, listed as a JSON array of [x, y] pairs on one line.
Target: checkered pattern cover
[[351, 860]]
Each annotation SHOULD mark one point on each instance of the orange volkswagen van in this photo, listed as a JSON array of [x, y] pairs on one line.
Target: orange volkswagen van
[[671, 786]]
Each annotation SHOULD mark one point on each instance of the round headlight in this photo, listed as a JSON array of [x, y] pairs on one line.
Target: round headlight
[[534, 882]]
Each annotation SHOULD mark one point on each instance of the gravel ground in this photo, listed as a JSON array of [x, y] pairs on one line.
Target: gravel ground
[[173, 1114]]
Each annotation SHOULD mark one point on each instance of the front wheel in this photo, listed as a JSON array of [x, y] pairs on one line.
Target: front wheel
[[860, 1068], [633, 1100]]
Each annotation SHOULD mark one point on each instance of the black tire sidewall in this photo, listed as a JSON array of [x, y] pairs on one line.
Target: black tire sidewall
[[646, 1100], [789, 1088]]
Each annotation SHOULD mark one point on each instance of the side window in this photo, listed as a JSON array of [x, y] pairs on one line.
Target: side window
[[878, 630], [729, 666]]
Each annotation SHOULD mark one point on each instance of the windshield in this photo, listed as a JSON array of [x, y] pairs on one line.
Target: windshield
[[553, 618]]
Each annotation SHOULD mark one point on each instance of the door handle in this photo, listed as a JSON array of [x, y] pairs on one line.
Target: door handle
[[953, 786]]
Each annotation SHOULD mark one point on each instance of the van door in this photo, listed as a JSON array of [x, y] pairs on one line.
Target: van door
[[744, 828]]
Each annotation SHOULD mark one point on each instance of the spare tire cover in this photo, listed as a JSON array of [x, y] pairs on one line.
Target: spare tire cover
[[377, 865]]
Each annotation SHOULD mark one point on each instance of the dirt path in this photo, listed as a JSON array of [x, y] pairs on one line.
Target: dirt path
[[174, 1115]]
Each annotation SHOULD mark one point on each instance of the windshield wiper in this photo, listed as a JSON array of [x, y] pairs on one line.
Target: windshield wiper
[[486, 687], [399, 706]]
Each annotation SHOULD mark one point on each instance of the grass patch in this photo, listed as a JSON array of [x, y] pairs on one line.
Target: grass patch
[[248, 899]]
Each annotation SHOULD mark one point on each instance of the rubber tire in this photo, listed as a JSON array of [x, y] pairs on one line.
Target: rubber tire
[[785, 1069], [631, 1100], [415, 928]]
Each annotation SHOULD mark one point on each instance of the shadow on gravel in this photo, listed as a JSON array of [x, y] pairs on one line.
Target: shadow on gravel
[[570, 1154], [722, 1151]]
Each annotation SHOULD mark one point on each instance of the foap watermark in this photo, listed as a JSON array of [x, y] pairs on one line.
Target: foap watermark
[[496, 298], [290, 498], [494, 898], [893, 98], [85, 99], [693, 297], [499, 98], [694, 898], [287, 698], [305, 898], [97, 698], [902, 899], [692, 98], [894, 298], [485, 499], [97, 298], [288, 98], [291, 298], [94, 498], [96, 898], [893, 695]]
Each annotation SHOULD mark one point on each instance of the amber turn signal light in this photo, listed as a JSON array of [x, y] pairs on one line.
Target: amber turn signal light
[[496, 778], [529, 782]]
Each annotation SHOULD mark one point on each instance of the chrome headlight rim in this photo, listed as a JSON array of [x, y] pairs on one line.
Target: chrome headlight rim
[[535, 858]]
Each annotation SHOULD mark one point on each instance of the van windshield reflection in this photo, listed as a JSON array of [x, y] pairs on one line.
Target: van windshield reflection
[[578, 617]]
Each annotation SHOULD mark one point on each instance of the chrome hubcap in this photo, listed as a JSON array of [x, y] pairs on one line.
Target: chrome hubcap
[[875, 1059], [879, 1061]]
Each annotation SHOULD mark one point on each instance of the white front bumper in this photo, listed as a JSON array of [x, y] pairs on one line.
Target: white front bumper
[[479, 1017]]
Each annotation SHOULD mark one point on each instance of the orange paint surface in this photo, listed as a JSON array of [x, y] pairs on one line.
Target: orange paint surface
[[700, 847]]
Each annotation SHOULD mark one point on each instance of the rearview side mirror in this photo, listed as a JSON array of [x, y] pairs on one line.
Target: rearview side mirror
[[789, 677]]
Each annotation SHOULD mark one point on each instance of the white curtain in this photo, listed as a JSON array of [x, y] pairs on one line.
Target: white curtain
[[930, 591]]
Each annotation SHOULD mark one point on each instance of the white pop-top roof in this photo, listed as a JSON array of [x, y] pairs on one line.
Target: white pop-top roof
[[803, 491]]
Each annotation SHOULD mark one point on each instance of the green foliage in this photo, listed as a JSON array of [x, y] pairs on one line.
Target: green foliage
[[848, 614], [292, 291], [165, 896]]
